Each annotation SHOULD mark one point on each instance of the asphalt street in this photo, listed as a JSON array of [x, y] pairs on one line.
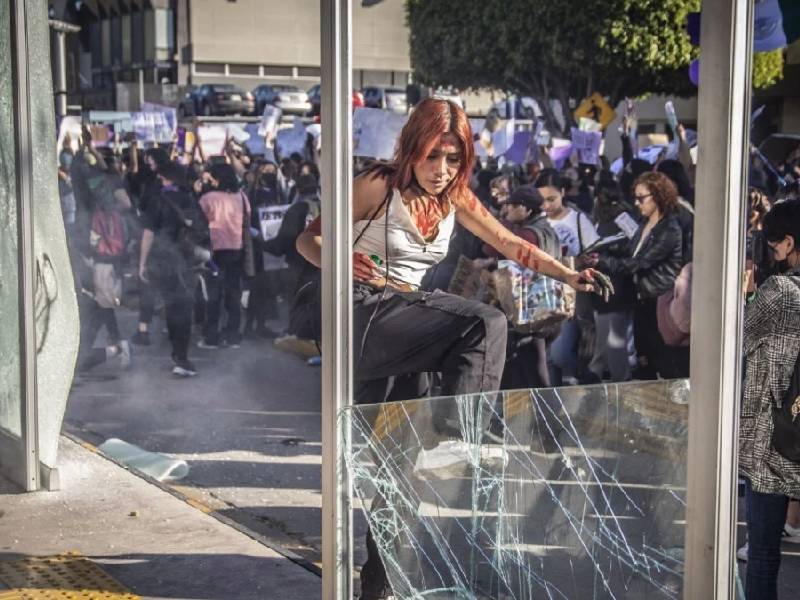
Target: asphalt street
[[248, 425]]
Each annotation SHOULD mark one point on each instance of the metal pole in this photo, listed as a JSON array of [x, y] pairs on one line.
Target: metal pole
[[24, 150], [336, 158], [60, 82], [723, 116]]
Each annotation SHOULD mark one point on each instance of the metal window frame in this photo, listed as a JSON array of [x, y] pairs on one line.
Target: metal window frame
[[337, 377], [724, 95], [27, 472], [717, 299]]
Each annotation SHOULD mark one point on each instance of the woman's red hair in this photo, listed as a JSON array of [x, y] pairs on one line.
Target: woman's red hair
[[430, 119]]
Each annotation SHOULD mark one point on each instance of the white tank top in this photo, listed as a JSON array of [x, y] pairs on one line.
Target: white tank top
[[409, 254]]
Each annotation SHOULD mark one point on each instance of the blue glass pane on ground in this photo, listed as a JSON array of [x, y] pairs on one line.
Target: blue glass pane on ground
[[557, 493]]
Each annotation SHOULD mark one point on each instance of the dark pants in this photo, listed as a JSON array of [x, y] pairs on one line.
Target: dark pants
[[147, 302], [766, 515], [175, 282], [93, 318], [224, 288], [526, 366], [420, 332], [667, 362]]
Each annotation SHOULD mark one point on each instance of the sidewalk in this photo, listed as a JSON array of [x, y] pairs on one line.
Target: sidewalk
[[151, 542]]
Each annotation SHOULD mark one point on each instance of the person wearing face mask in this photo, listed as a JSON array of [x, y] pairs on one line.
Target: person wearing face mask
[[654, 258], [771, 346], [404, 213]]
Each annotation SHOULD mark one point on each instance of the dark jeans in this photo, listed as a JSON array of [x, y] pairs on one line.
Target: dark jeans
[[766, 515], [176, 282], [224, 288], [420, 332], [667, 362], [147, 302]]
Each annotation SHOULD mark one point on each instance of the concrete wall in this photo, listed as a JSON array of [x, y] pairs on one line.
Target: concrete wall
[[276, 32]]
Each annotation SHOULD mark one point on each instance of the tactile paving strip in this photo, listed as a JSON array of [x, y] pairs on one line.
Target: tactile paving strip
[[63, 577]]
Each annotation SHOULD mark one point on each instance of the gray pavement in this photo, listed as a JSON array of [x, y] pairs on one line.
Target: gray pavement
[[153, 543], [248, 425]]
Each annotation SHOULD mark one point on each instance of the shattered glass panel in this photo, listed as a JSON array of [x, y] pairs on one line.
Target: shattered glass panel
[[572, 492]]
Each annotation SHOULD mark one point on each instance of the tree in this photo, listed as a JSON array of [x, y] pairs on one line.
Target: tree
[[767, 68], [554, 49]]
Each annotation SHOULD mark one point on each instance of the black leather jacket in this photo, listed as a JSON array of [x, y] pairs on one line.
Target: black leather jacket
[[658, 262]]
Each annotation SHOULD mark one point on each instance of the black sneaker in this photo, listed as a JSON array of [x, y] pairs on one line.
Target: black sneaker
[[141, 338], [183, 367]]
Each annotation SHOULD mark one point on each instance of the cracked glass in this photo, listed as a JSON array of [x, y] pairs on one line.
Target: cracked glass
[[552, 493]]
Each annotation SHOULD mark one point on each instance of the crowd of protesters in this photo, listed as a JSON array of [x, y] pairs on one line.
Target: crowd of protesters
[[164, 226]]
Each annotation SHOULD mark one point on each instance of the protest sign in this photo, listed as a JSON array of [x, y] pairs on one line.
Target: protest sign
[[560, 152], [212, 139], [375, 132], [520, 151], [270, 219], [152, 127], [587, 145], [291, 139], [69, 125], [169, 112], [255, 143], [268, 126]]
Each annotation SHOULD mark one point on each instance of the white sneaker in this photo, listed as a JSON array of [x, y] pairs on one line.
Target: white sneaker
[[741, 553], [790, 534]]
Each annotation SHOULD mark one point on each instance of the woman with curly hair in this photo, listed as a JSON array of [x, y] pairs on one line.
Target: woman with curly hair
[[654, 259]]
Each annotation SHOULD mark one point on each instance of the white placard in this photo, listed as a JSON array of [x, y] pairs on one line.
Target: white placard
[[375, 132], [269, 121], [587, 145], [291, 139], [627, 225]]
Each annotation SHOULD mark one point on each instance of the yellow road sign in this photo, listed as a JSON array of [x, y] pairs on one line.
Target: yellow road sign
[[596, 108]]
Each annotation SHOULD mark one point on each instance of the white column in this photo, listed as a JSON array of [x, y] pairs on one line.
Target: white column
[[336, 167], [723, 119]]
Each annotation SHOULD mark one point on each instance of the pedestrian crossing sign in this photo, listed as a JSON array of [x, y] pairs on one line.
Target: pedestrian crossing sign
[[596, 108]]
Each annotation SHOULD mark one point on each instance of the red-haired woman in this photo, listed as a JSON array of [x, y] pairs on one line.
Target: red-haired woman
[[404, 213]]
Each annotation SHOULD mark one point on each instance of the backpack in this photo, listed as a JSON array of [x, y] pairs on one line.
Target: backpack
[[547, 236], [194, 236], [107, 235]]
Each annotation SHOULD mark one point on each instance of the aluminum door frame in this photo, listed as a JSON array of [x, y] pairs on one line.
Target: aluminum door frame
[[22, 461]]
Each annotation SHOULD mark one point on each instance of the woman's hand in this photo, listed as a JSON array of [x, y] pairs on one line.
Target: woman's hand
[[591, 280], [364, 268]]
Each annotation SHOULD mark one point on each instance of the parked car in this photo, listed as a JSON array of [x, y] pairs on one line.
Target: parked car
[[212, 99], [389, 98], [315, 95], [289, 98]]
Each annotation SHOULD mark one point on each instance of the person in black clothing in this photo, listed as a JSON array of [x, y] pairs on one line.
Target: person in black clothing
[[145, 185], [305, 209], [613, 319], [654, 259], [164, 262]]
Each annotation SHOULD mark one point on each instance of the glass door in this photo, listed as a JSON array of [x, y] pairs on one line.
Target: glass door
[[18, 460]]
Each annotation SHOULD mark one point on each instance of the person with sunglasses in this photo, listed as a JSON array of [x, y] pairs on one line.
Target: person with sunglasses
[[654, 259]]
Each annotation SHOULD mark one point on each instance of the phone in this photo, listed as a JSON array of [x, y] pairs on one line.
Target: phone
[[672, 117]]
